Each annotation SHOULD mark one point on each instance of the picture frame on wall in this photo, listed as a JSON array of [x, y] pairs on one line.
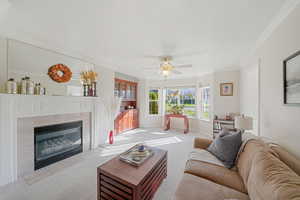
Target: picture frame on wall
[[226, 89], [291, 79]]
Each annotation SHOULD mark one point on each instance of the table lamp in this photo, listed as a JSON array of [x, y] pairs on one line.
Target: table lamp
[[243, 123]]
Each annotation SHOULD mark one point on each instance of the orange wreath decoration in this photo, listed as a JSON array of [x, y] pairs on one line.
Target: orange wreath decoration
[[60, 73]]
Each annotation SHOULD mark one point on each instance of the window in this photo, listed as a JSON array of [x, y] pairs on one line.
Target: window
[[154, 101], [204, 103], [181, 98]]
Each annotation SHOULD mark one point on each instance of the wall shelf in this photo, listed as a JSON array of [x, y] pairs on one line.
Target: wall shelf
[[220, 124]]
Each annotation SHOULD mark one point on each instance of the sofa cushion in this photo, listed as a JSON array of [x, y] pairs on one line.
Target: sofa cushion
[[205, 156], [225, 147], [270, 178], [195, 188], [216, 173], [246, 155], [290, 160]]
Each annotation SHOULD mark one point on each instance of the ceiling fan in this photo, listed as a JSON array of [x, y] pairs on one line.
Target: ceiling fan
[[166, 67]]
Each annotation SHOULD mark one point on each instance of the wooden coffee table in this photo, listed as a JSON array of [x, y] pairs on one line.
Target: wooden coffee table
[[119, 180]]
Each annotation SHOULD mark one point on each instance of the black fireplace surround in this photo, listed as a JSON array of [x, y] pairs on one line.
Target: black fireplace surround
[[56, 142]]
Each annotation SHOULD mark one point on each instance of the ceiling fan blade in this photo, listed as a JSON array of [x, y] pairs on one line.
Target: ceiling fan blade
[[184, 66], [176, 72]]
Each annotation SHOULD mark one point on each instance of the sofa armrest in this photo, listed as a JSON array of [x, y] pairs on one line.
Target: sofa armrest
[[202, 143]]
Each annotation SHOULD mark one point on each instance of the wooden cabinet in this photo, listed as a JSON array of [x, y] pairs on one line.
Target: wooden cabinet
[[125, 89], [127, 120]]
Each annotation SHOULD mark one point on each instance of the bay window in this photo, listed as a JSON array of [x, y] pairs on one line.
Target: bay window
[[184, 99], [181, 97]]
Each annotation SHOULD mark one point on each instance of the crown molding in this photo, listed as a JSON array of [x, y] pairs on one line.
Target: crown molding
[[283, 13]]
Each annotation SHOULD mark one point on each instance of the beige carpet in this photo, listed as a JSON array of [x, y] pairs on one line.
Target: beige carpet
[[75, 178]]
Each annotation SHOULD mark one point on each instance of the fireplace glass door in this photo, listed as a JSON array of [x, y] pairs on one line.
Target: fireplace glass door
[[56, 142]]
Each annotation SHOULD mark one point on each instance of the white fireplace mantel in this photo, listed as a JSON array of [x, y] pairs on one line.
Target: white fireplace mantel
[[13, 107]]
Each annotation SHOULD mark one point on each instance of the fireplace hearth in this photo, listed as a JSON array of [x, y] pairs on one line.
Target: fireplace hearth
[[56, 142]]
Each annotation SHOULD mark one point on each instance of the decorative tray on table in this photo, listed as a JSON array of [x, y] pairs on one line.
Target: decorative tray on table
[[137, 155]]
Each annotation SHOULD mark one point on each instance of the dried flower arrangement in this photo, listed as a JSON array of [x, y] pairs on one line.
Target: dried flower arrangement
[[88, 77], [89, 81]]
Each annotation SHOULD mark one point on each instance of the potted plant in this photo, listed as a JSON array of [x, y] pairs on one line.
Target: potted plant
[[176, 109]]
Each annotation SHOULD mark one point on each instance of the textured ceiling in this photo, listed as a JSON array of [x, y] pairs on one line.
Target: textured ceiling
[[124, 35]]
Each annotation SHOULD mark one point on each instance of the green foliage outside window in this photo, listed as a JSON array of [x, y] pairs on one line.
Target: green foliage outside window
[[153, 95], [154, 102], [153, 108], [183, 100]]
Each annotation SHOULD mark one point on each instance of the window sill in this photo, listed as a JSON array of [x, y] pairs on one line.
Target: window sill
[[200, 119], [192, 117], [205, 120], [158, 115]]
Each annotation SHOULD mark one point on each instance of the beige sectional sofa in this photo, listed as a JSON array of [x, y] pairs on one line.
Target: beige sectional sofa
[[263, 172]]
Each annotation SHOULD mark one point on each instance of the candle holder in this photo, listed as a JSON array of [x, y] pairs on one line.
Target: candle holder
[[94, 89]]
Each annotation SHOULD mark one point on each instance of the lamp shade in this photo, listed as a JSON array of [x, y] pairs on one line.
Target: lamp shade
[[243, 123]]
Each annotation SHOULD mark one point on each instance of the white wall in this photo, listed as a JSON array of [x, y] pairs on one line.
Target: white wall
[[4, 5], [27, 60], [226, 104], [278, 121], [249, 88], [105, 90], [3, 63]]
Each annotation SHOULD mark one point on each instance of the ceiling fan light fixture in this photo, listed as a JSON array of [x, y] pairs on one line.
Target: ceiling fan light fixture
[[166, 66], [165, 73]]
